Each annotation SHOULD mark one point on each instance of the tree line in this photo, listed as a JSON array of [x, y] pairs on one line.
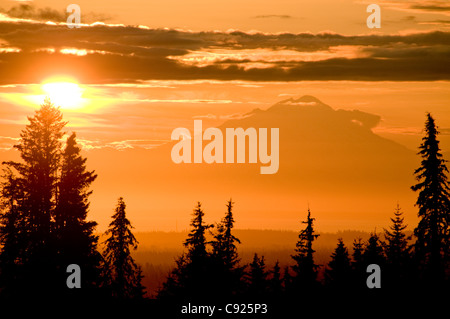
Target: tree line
[[44, 228]]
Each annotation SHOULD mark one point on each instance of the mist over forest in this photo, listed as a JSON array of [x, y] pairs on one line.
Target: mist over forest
[[158, 250]]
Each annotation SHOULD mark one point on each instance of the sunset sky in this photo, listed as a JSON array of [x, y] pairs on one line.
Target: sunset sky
[[137, 69]]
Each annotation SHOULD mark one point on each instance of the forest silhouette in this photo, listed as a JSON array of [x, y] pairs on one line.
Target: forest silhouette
[[44, 229]]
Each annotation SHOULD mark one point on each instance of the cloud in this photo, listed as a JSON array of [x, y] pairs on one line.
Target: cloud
[[27, 11], [112, 54], [208, 116], [432, 8], [278, 16], [398, 130], [301, 103], [444, 130], [234, 116], [360, 118], [417, 6], [263, 58], [409, 18], [119, 145], [33, 13], [437, 22], [7, 143]]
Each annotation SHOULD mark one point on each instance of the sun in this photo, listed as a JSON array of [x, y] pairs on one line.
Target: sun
[[64, 93]]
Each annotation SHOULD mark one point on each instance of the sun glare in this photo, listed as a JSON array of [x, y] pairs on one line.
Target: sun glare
[[65, 94]]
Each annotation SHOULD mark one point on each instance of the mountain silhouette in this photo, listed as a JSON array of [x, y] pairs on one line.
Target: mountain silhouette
[[328, 159]]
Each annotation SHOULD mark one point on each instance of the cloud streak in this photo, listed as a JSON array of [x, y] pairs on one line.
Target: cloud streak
[[27, 11], [418, 6], [433, 8], [7, 143], [277, 16]]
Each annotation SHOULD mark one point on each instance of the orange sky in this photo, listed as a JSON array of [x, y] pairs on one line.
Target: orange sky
[[135, 78], [344, 16]]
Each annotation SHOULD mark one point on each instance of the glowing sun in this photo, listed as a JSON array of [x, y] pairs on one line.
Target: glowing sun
[[66, 94]]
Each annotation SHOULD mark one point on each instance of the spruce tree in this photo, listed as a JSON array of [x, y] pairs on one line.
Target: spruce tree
[[193, 275], [125, 274], [196, 241], [397, 248], [174, 288], [11, 232], [287, 279], [36, 180], [338, 273], [433, 231], [275, 282], [357, 263], [373, 251], [305, 269], [257, 277], [224, 243], [40, 195], [75, 237], [225, 256], [358, 249], [40, 149]]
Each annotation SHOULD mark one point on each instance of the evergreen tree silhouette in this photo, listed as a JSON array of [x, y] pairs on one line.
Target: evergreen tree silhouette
[[373, 254], [397, 250], [196, 241], [174, 288], [257, 277], [433, 231], [75, 237], [305, 269], [287, 279], [193, 275], [358, 266], [338, 273], [125, 274], [44, 207], [224, 246], [358, 249], [373, 251], [10, 231], [225, 255], [37, 177], [275, 281]]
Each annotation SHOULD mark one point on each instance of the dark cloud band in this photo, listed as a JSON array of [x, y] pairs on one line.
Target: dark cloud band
[[120, 54]]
